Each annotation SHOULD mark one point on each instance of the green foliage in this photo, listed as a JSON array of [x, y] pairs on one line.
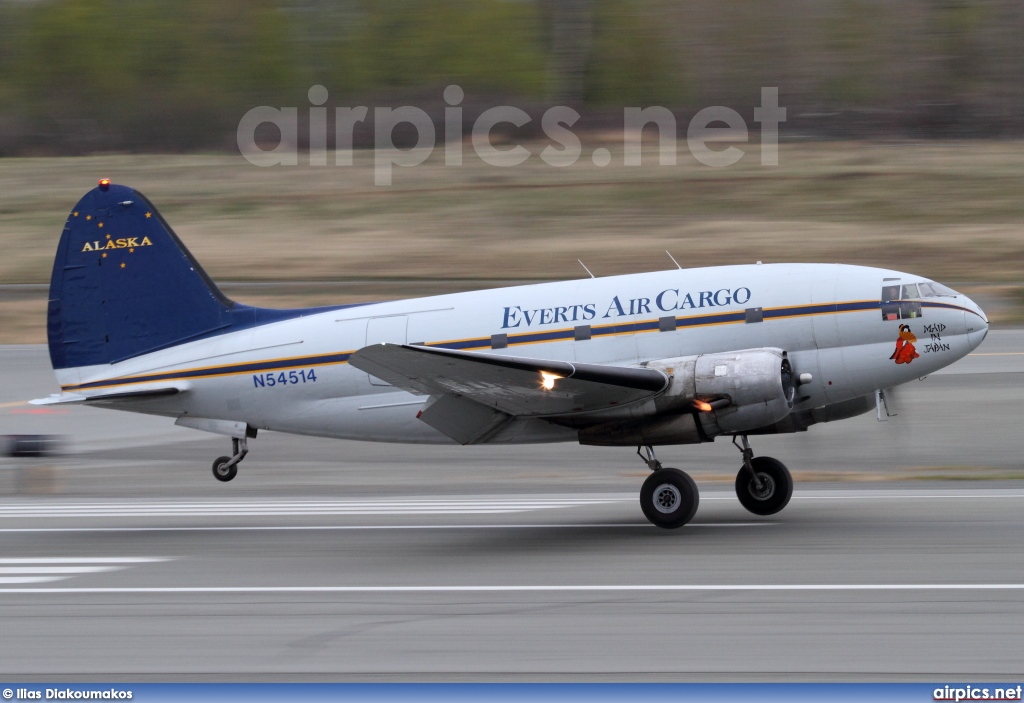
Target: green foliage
[[488, 46], [851, 45], [955, 29], [147, 68], [143, 74], [632, 61]]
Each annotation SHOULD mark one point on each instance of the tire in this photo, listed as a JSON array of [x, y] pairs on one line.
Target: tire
[[777, 486], [669, 498], [32, 445], [224, 474]]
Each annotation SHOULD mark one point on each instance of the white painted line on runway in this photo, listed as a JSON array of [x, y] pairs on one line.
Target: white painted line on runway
[[284, 528], [57, 569], [397, 506], [332, 504], [475, 500], [445, 506], [854, 494], [532, 589], [882, 494], [81, 560], [18, 570]]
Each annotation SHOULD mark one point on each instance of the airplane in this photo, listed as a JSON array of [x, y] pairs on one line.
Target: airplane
[[646, 360]]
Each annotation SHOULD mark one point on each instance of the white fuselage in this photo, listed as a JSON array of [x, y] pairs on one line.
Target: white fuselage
[[293, 376]]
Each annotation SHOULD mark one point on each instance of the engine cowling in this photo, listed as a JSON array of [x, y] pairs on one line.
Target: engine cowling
[[710, 395]]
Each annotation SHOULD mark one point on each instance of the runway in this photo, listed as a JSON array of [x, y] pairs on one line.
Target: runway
[[125, 560]]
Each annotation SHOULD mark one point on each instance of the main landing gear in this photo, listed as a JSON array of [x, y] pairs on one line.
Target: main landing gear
[[225, 468], [763, 485], [668, 497]]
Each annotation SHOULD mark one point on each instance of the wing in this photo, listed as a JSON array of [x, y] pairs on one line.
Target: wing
[[474, 394]]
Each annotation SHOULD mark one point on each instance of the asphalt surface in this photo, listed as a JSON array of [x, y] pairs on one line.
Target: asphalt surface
[[124, 559]]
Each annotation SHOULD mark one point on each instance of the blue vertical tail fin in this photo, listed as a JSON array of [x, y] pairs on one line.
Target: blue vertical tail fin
[[123, 285]]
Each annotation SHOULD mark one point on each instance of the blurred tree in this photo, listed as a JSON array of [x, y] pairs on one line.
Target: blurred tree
[[632, 61], [851, 46], [83, 75], [572, 29], [957, 68], [490, 46], [149, 72]]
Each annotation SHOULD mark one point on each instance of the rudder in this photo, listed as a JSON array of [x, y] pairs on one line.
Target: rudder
[[123, 285]]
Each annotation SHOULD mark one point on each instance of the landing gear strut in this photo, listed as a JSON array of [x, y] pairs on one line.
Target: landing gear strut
[[225, 468], [668, 497], [763, 485]]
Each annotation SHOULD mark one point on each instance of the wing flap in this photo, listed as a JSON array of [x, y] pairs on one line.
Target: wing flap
[[465, 421], [512, 385]]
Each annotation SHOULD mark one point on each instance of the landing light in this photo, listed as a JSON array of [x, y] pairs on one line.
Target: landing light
[[548, 380]]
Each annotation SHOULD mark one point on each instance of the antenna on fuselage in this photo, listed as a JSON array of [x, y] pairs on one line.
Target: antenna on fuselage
[[586, 269], [674, 260]]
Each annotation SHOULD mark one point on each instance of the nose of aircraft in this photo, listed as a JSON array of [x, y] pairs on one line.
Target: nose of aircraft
[[977, 323]]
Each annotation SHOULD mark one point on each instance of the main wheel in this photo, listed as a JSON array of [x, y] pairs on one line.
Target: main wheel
[[669, 498], [776, 486], [221, 470]]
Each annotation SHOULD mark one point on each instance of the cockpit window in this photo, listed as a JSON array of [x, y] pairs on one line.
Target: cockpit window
[[901, 302], [936, 290]]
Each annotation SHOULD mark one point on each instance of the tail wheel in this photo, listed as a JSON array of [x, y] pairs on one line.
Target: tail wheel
[[669, 498], [774, 492], [221, 470]]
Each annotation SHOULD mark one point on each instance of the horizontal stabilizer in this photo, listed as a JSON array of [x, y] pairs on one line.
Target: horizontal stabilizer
[[59, 399], [517, 386], [108, 397]]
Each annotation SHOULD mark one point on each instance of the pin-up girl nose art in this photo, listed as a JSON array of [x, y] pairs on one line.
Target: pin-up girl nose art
[[905, 351]]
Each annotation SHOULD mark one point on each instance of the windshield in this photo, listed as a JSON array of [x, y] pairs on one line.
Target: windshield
[[931, 289]]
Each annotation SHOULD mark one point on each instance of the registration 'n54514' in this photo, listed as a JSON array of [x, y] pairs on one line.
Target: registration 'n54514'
[[283, 378]]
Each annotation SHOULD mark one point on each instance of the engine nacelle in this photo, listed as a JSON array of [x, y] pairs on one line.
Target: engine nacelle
[[757, 383], [710, 395]]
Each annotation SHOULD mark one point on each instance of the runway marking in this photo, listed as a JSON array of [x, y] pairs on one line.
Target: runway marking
[[883, 494], [533, 588], [413, 507], [396, 506], [18, 570], [983, 494], [57, 569], [998, 354], [284, 528], [81, 560]]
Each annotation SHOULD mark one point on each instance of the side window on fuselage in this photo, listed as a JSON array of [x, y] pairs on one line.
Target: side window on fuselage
[[890, 302], [900, 302], [910, 305]]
